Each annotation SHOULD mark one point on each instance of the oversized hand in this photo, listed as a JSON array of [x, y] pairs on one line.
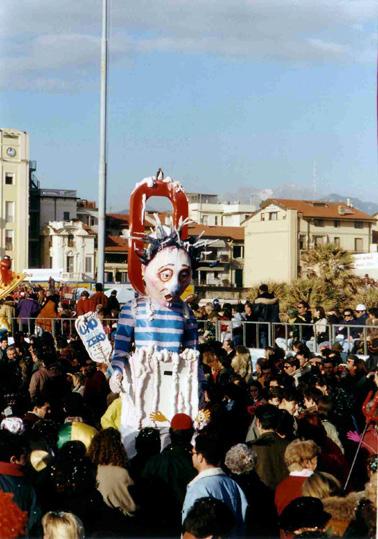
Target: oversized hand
[[353, 436], [158, 417]]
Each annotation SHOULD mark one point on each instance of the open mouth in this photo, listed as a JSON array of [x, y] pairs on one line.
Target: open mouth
[[168, 298]]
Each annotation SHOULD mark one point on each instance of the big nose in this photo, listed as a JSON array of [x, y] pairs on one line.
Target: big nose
[[174, 288]]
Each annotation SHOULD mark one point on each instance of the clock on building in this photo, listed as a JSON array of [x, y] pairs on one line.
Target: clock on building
[[11, 152]]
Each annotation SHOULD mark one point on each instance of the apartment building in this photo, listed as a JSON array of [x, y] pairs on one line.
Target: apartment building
[[206, 209], [222, 263], [69, 246], [278, 233], [14, 196], [57, 205]]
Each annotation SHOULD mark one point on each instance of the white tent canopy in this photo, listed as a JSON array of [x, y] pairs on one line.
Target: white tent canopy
[[125, 292], [43, 274]]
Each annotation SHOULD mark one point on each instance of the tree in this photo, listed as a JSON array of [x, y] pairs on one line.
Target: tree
[[331, 270], [327, 279]]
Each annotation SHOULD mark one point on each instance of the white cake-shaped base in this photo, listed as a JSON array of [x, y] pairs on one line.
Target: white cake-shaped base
[[157, 381]]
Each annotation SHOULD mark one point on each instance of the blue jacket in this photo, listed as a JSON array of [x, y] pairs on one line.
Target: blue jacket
[[215, 483]]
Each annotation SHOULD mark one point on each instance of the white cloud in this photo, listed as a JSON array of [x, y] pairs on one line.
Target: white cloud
[[44, 40]]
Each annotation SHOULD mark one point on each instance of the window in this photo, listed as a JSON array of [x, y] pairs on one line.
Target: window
[[239, 278], [358, 224], [302, 242], [358, 245], [118, 276], [66, 216], [204, 219], [318, 222], [9, 240], [237, 251], [9, 178], [70, 264], [318, 240], [9, 211], [88, 264], [262, 216], [273, 216], [336, 241], [70, 240], [202, 277], [216, 220], [336, 223]]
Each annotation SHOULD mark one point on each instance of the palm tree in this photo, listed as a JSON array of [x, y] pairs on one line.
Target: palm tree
[[332, 265]]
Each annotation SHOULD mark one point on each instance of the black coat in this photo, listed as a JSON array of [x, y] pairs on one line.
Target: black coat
[[266, 308]]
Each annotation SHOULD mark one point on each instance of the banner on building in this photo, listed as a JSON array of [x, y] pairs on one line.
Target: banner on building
[[95, 340]]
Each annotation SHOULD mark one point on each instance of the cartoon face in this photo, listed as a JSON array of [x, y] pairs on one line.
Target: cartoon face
[[167, 275]]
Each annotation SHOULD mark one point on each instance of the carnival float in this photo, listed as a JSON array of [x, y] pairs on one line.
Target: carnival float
[[155, 360]]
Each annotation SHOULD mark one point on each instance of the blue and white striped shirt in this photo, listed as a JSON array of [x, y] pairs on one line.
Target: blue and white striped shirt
[[165, 329]]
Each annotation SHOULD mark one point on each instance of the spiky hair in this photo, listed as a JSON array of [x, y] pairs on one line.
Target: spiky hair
[[168, 235]]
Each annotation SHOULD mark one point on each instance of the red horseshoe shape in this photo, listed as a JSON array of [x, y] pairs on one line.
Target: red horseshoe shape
[[139, 196]]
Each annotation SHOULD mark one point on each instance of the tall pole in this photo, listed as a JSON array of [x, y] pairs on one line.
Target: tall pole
[[102, 169]]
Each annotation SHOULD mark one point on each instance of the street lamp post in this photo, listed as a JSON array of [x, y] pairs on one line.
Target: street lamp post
[[102, 172]]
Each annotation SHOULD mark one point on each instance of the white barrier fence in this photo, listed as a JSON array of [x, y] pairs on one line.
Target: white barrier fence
[[249, 334]]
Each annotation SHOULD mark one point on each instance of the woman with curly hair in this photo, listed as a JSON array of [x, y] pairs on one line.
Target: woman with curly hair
[[261, 520], [108, 454]]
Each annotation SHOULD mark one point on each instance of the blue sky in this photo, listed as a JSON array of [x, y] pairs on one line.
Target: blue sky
[[222, 95]]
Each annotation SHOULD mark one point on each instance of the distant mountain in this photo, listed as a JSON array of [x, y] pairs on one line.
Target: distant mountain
[[254, 196], [368, 207]]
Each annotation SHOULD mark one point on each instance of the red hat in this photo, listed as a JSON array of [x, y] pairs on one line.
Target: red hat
[[181, 422]]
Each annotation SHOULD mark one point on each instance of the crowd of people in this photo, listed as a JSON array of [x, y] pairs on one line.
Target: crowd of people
[[34, 310], [352, 329], [271, 453]]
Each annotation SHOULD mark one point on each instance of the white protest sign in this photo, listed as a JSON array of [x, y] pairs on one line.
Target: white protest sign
[[96, 342]]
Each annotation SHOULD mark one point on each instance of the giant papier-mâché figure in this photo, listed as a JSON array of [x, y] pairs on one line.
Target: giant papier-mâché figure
[[155, 358]]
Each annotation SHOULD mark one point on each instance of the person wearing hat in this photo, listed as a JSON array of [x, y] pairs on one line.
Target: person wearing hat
[[166, 476], [360, 319], [361, 314], [305, 517]]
